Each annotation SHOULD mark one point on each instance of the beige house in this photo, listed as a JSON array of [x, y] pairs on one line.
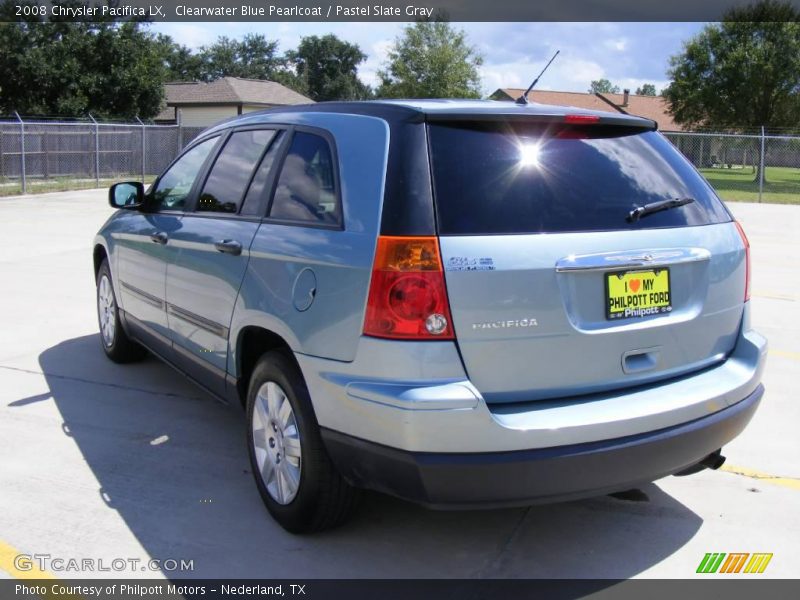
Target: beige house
[[199, 104], [650, 107]]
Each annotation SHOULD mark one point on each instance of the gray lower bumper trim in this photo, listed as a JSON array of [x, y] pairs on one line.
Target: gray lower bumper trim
[[465, 480]]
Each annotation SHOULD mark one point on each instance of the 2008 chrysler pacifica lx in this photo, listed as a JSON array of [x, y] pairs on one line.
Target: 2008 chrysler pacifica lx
[[460, 303]]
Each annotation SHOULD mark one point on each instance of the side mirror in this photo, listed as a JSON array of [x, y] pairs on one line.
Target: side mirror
[[129, 195]]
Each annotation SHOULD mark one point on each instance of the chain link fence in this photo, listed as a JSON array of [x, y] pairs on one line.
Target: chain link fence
[[45, 155], [748, 167]]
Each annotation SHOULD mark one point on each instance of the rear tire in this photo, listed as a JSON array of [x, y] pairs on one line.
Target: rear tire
[[294, 474], [116, 343]]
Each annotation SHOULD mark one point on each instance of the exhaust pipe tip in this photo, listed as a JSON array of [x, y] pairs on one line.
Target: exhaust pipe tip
[[713, 461]]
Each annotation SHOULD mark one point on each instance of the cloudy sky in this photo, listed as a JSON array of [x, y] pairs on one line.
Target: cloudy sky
[[628, 54]]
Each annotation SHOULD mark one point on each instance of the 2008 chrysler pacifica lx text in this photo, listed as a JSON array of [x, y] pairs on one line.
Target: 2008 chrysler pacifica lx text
[[460, 303]]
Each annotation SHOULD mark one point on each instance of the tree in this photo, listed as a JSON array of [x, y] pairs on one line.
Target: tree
[[431, 60], [252, 57], [327, 68], [71, 68], [181, 63], [647, 89], [740, 73], [603, 86]]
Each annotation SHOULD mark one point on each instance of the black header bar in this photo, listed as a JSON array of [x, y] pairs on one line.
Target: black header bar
[[376, 10]]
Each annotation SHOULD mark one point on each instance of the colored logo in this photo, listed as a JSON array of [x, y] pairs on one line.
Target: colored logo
[[734, 562]]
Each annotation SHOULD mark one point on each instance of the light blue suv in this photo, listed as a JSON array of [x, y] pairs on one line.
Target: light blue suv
[[460, 303]]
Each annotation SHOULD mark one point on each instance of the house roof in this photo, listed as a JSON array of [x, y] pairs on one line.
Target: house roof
[[650, 107], [231, 90], [227, 90]]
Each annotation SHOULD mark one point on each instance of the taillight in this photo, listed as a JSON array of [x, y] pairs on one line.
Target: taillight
[[747, 271], [407, 294]]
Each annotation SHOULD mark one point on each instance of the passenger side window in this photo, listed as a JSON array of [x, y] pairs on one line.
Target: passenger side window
[[306, 189], [174, 186], [226, 184]]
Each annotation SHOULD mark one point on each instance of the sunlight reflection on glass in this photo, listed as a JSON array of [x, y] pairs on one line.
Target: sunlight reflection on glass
[[528, 155]]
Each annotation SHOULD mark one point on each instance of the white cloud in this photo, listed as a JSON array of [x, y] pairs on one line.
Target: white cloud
[[500, 76], [633, 84], [376, 56], [618, 45], [189, 34], [571, 74]]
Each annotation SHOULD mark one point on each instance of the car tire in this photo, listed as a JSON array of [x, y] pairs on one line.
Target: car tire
[[116, 343], [301, 488]]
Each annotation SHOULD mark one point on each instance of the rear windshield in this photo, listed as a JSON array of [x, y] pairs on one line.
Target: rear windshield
[[492, 178]]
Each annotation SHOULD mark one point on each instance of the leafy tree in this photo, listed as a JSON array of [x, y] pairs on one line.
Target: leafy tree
[[327, 68], [647, 89], [742, 72], [252, 57], [431, 60], [603, 86], [68, 68], [181, 63]]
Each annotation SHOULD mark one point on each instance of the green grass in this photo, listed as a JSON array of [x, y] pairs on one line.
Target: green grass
[[13, 187], [781, 184]]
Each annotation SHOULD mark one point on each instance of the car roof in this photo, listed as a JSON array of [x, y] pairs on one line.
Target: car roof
[[438, 110]]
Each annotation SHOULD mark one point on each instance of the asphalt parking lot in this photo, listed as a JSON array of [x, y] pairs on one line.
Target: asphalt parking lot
[[100, 461]]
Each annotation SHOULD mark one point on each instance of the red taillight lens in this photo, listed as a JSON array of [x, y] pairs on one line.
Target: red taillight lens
[[747, 271], [407, 294]]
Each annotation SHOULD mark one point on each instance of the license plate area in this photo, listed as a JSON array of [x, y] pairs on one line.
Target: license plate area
[[637, 294]]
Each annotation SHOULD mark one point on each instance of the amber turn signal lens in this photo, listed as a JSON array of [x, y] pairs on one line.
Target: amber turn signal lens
[[407, 293]]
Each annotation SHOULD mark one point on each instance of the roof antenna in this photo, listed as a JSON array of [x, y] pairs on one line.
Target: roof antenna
[[523, 100]]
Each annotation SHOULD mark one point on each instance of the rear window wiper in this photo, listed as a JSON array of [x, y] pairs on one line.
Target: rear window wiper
[[654, 207]]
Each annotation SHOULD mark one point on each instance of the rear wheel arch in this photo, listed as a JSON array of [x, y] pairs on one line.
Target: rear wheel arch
[[252, 343]]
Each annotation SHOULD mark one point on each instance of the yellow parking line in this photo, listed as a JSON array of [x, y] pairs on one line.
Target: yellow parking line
[[8, 555], [9, 563], [788, 482], [774, 296], [785, 354]]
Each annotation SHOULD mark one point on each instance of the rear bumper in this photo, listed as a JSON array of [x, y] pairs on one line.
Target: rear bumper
[[492, 479], [416, 397]]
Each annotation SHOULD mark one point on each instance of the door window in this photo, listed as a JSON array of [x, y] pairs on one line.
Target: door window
[[256, 199], [226, 184], [174, 186]]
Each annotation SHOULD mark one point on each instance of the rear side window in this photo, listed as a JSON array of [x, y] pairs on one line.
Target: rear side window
[[306, 189], [226, 184], [504, 179]]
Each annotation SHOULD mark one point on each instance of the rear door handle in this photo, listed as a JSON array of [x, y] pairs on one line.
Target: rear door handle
[[229, 247], [159, 237]]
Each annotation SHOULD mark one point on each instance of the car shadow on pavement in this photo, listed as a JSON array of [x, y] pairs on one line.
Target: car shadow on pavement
[[172, 463]]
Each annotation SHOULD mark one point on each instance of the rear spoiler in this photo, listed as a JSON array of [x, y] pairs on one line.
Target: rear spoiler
[[580, 118]]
